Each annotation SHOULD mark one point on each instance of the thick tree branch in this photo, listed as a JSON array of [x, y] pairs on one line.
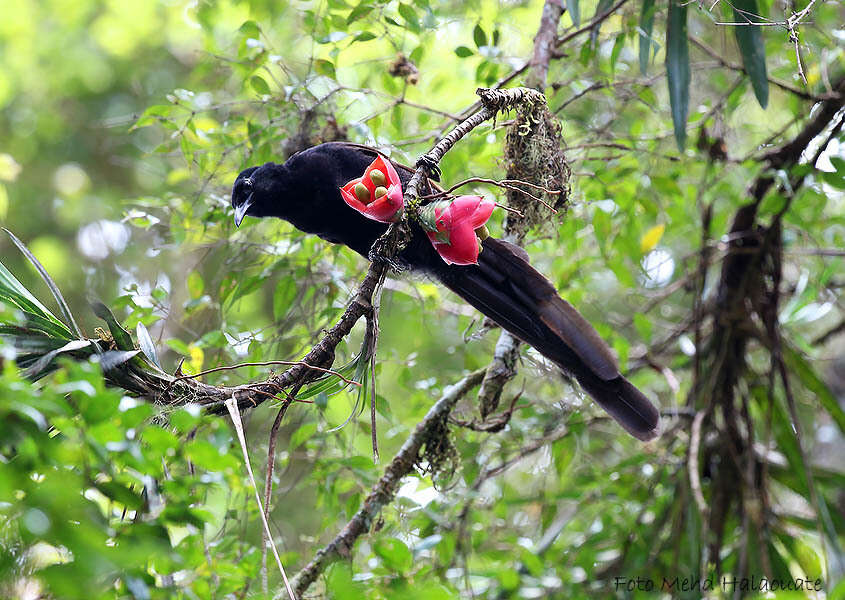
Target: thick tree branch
[[544, 44]]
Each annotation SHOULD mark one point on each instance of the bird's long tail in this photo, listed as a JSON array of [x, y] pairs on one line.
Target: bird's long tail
[[510, 291]]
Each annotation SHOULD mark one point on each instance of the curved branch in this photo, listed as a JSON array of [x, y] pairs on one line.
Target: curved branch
[[385, 489]]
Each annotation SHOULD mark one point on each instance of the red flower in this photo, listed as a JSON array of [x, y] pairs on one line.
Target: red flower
[[377, 194], [453, 231]]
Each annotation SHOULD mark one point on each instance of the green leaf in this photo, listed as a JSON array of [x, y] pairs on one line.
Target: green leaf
[[120, 335], [574, 12], [41, 367], [195, 284], [206, 455], [284, 296], [646, 27], [301, 435], [146, 343], [325, 67], [359, 12], [643, 325], [120, 493], [54, 289], [114, 358], [478, 36], [677, 69], [617, 49], [339, 582], [752, 49], [601, 8], [364, 36], [463, 52], [815, 384], [12, 292], [259, 85], [394, 553], [248, 285], [408, 13], [250, 29]]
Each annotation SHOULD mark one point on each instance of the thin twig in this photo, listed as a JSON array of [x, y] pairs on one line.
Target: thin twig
[[265, 363], [737, 67], [693, 467], [509, 184]]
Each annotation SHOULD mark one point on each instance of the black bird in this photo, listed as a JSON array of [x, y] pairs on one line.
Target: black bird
[[305, 191]]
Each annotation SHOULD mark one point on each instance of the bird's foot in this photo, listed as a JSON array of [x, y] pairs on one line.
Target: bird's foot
[[430, 165], [387, 247], [392, 264]]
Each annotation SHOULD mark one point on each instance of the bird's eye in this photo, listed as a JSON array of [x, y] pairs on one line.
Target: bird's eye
[[248, 182]]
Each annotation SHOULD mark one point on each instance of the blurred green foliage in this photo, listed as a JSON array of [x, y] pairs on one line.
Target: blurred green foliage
[[122, 126]]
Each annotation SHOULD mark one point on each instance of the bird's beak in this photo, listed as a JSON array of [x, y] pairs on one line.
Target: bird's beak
[[240, 210]]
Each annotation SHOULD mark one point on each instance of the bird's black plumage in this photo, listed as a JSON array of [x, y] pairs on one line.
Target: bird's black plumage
[[305, 191]]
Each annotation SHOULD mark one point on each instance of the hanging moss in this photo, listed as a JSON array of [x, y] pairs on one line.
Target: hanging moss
[[534, 153]]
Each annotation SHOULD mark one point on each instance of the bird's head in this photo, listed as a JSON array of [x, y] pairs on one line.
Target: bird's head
[[254, 192], [243, 194]]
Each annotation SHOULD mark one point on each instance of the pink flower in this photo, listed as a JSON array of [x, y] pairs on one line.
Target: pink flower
[[451, 227], [377, 194]]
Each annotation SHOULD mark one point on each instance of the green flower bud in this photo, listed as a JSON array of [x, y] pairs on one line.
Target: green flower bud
[[381, 191]]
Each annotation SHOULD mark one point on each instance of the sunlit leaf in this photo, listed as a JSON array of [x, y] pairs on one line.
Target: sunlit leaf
[[14, 293], [359, 12], [325, 67], [146, 344], [394, 553], [54, 289], [478, 36], [408, 13], [651, 237], [259, 85]]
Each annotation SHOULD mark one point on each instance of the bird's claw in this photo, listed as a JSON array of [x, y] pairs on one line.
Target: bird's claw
[[431, 167], [381, 258], [388, 246], [380, 253]]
